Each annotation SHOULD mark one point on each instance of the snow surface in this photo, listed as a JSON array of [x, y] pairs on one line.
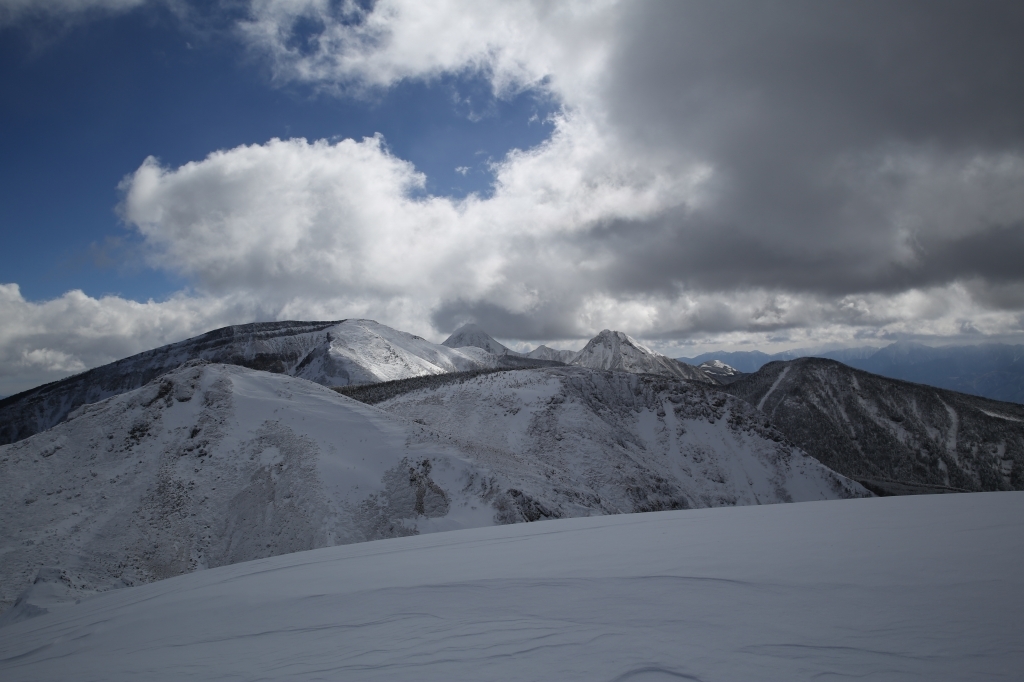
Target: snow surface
[[911, 588], [215, 464], [613, 350]]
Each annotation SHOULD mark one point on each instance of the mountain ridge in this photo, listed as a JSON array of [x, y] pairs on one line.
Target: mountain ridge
[[335, 353], [990, 370], [894, 436], [212, 464]]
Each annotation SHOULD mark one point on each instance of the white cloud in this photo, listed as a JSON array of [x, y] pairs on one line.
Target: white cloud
[[41, 342], [293, 219], [51, 360], [517, 43], [651, 223]]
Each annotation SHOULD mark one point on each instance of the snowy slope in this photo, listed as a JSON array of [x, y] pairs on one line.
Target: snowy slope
[[545, 353], [619, 442], [213, 464], [913, 588], [617, 351], [364, 351], [329, 353], [894, 436], [470, 335]]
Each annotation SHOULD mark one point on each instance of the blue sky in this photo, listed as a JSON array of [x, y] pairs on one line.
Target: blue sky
[[702, 176], [83, 108]]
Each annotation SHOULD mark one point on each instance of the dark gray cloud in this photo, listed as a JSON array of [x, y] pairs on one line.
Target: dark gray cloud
[[550, 321], [856, 146], [746, 80]]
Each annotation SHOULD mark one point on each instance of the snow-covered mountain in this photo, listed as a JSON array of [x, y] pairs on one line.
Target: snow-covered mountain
[[544, 353], [891, 435], [328, 353], [618, 351], [897, 589], [472, 336], [615, 442], [213, 464], [720, 371]]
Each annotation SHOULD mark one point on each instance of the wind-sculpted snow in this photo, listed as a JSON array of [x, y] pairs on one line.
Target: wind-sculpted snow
[[616, 442], [895, 589], [893, 436], [617, 351], [328, 353]]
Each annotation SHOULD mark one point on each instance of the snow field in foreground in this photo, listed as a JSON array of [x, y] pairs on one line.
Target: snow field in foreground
[[912, 588]]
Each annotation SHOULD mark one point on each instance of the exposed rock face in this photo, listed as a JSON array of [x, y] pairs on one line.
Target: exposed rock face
[[893, 436]]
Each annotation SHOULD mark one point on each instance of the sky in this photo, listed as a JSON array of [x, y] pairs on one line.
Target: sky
[[702, 176]]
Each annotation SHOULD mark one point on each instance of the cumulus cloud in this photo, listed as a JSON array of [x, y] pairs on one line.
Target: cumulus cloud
[[518, 43], [711, 154], [342, 222], [718, 173], [41, 342], [857, 145]]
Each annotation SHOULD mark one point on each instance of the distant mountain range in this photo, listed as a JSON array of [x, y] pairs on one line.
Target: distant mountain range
[[609, 350], [336, 353], [990, 370]]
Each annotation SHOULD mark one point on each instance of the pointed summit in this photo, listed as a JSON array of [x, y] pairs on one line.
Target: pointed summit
[[472, 335], [544, 353], [612, 350]]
